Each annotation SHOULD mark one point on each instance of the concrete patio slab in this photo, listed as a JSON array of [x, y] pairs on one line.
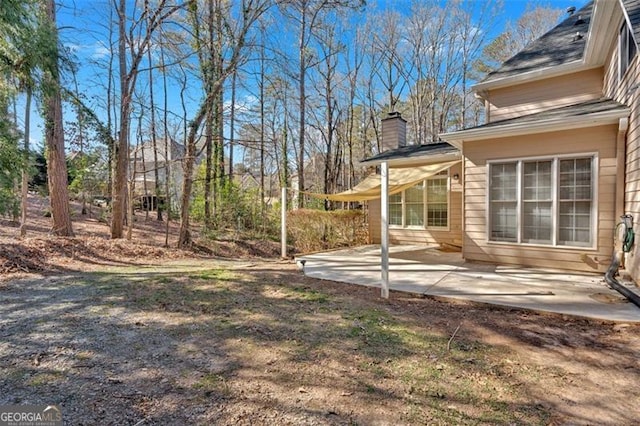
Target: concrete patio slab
[[429, 271]]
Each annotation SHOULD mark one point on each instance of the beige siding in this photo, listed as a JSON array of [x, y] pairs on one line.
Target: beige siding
[[599, 140], [528, 98], [425, 236], [623, 91]]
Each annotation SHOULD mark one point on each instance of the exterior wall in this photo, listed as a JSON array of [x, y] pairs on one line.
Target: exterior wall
[[528, 98], [599, 140], [425, 236], [624, 92]]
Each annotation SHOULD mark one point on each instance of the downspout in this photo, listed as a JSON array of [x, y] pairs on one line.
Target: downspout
[[620, 165], [623, 240], [462, 183]]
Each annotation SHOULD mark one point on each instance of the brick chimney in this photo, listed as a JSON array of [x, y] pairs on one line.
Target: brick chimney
[[394, 131]]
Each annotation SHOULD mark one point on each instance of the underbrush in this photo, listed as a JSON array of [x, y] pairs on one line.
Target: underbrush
[[315, 230]]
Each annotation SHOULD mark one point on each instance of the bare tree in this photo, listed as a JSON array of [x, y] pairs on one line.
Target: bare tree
[[154, 140], [328, 88], [531, 25], [354, 65], [134, 39], [237, 32], [305, 14], [470, 38]]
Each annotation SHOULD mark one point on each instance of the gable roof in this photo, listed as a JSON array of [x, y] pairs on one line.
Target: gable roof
[[560, 52], [591, 113], [559, 46], [412, 152]]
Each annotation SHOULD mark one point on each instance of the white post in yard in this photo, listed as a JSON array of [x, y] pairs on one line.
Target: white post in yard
[[384, 229], [283, 223]]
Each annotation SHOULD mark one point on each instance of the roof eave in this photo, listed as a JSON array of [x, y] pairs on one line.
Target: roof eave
[[600, 36], [412, 161], [525, 77], [549, 125]]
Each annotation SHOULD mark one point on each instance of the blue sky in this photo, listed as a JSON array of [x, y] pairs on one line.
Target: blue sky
[[84, 30]]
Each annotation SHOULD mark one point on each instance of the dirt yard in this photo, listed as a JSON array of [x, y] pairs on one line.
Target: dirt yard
[[130, 333]]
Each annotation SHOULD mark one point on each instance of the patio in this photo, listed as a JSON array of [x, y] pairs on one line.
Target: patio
[[430, 271]]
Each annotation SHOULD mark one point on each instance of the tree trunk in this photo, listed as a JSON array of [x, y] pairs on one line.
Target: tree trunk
[[262, 132], [167, 149], [184, 239], [54, 136], [302, 107], [122, 149], [154, 142], [232, 123], [25, 170], [220, 77], [208, 167]]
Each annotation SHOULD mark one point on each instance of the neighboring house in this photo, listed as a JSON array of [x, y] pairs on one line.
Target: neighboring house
[[142, 167], [544, 182], [247, 182]]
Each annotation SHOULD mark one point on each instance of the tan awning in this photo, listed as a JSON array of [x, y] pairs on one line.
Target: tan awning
[[399, 180]]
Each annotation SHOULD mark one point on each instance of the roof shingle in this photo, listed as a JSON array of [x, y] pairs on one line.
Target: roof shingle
[[412, 151], [559, 46]]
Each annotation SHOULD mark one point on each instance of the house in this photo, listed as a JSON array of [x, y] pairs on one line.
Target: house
[[429, 211], [246, 181], [142, 163], [545, 180]]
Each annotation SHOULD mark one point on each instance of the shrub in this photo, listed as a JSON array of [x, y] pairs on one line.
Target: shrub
[[314, 230], [238, 211]]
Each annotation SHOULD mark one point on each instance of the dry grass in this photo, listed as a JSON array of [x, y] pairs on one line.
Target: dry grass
[[258, 343]]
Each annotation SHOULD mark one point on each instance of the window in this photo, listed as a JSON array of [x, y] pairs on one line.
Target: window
[[546, 201], [536, 202], [626, 50], [414, 205], [395, 209], [437, 206], [575, 202], [504, 202], [425, 203]]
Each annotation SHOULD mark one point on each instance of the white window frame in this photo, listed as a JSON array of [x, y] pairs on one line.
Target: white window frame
[[424, 225], [555, 201], [625, 36]]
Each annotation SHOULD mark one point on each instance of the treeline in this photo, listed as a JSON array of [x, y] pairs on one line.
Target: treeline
[[207, 99]]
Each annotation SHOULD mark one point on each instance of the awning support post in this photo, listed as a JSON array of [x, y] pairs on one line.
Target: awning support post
[[283, 223], [384, 231]]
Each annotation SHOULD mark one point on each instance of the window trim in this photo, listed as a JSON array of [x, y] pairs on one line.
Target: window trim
[[625, 36], [424, 226], [555, 201]]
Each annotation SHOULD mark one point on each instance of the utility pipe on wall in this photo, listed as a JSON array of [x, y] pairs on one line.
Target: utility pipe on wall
[[623, 244]]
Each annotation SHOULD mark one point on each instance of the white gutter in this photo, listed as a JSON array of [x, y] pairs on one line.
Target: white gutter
[[541, 126]]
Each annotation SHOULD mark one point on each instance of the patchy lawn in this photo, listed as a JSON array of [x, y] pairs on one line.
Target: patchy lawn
[[226, 343]]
